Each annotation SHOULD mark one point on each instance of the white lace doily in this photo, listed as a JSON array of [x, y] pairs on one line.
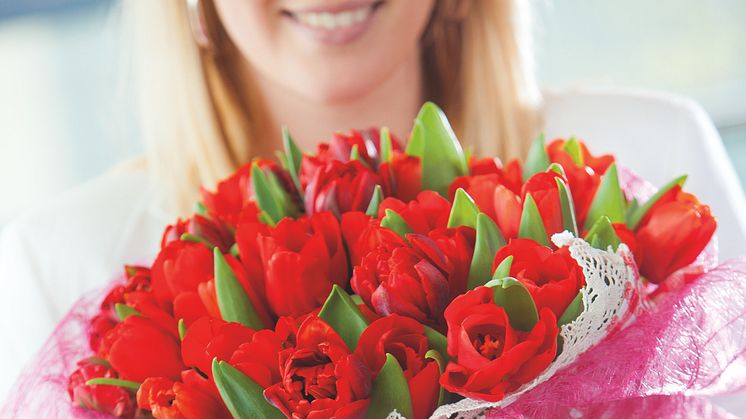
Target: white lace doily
[[606, 299]]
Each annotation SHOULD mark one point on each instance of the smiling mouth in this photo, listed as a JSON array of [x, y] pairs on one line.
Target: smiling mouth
[[334, 20]]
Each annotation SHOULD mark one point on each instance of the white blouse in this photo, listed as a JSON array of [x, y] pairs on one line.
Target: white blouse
[[81, 240]]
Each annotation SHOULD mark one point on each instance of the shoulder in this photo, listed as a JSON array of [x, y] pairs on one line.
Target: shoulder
[[659, 136]]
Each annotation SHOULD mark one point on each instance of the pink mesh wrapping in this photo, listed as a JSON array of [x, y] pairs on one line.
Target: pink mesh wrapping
[[693, 343], [41, 390]]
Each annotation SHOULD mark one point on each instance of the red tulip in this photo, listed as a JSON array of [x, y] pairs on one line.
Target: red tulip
[[209, 338], [672, 234], [405, 280], [362, 234], [340, 187], [427, 212], [111, 400], [320, 377], [168, 399], [402, 177], [584, 179], [553, 278], [157, 353], [304, 254], [214, 231], [404, 338], [489, 357], [543, 188]]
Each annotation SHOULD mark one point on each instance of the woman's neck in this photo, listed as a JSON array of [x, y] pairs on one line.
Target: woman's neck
[[393, 103]]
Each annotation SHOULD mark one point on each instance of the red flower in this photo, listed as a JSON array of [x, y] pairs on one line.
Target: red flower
[[424, 214], [362, 234], [405, 280], [183, 278], [208, 338], [543, 188], [112, 400], [168, 399], [402, 177], [320, 377], [489, 357], [305, 254], [340, 187], [584, 179], [214, 231], [138, 348], [672, 234], [403, 338], [553, 278]]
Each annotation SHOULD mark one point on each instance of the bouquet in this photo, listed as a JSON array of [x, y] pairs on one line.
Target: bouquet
[[371, 280]]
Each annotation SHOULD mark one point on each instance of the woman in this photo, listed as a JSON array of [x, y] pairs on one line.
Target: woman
[[220, 77]]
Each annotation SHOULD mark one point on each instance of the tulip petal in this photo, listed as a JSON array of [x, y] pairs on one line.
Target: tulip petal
[[243, 397], [390, 392]]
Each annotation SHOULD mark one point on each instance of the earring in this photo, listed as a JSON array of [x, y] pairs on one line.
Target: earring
[[197, 23]]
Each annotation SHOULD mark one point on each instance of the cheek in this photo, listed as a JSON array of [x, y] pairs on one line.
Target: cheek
[[252, 26]]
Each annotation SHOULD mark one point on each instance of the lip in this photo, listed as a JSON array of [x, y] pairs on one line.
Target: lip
[[333, 36]]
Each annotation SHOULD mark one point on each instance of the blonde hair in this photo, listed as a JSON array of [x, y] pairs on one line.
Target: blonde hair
[[198, 129]]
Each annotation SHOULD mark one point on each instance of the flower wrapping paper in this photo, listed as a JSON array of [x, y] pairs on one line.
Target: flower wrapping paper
[[691, 344]]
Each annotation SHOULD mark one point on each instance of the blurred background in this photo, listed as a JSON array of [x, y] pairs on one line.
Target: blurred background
[[67, 113]]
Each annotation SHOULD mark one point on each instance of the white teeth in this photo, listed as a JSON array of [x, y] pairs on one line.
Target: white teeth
[[326, 20]]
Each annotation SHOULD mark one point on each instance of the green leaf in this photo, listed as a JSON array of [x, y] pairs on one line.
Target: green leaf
[[123, 311], [355, 154], [537, 160], [343, 315], [568, 208], [572, 311], [281, 196], [234, 250], [293, 157], [532, 225], [387, 147], [98, 361], [436, 340], [556, 168], [233, 302], [503, 269], [434, 142], [639, 213], [489, 240], [464, 211], [264, 195], [608, 201], [602, 235], [200, 209], [129, 385], [395, 222], [243, 397], [187, 237], [513, 296], [572, 147], [375, 202], [438, 358], [182, 329], [390, 392]]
